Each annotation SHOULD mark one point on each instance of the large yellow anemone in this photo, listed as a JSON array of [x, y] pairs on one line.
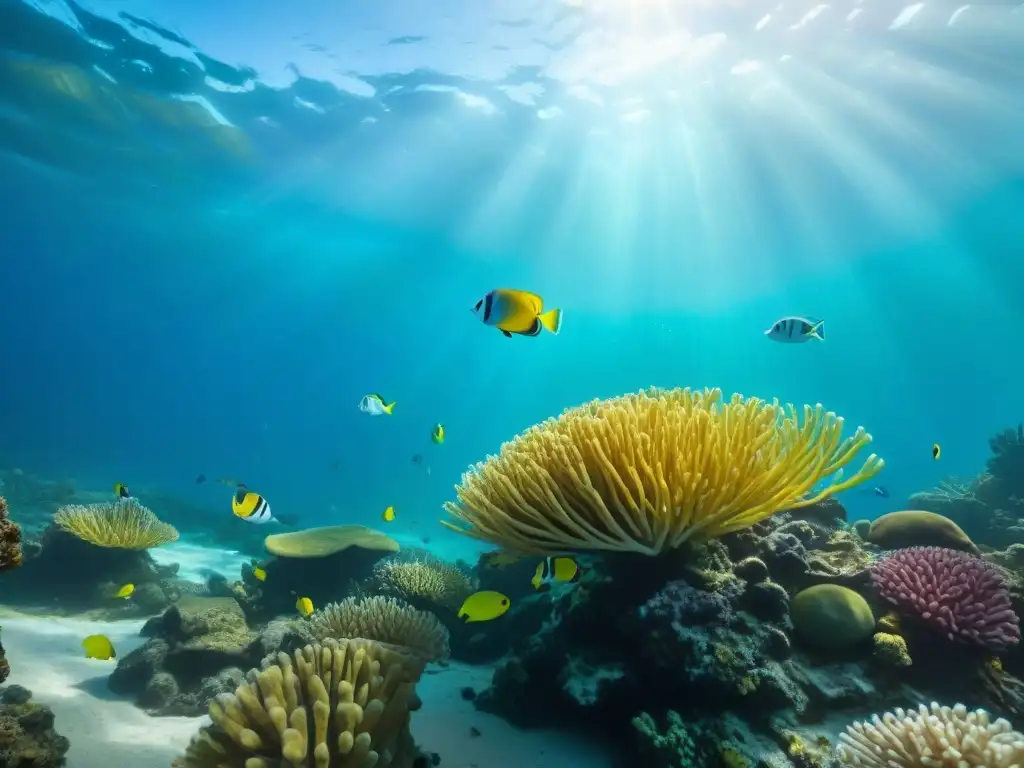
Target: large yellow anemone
[[121, 524], [648, 471]]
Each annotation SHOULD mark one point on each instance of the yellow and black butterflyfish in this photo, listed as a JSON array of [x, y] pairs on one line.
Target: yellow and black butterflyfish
[[250, 506]]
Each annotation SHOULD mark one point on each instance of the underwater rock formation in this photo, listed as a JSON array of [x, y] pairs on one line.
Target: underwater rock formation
[[197, 648], [27, 736], [357, 695]]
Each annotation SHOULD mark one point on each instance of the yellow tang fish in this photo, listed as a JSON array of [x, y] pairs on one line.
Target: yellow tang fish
[[121, 490], [936, 452], [484, 606], [250, 506], [99, 647], [388, 515], [521, 312], [552, 569], [437, 433], [125, 591], [259, 574], [304, 606]]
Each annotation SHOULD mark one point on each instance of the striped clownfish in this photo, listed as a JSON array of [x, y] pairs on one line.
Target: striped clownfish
[[250, 506], [552, 569], [520, 312]]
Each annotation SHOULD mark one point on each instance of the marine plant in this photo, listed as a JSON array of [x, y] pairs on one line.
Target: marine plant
[[338, 703], [426, 577], [385, 620], [958, 594], [649, 471], [121, 524], [939, 737]]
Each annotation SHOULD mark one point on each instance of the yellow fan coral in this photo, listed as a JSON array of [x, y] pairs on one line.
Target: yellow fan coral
[[649, 471], [342, 703], [123, 524], [385, 620], [427, 578]]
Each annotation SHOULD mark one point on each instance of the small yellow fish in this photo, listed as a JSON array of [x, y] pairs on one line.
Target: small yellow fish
[[936, 451], [388, 515], [304, 606], [512, 311], [125, 591], [259, 574], [499, 559], [99, 647], [437, 434], [484, 606], [552, 569], [121, 490]]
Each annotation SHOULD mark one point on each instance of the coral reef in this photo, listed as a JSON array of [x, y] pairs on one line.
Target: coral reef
[[329, 540], [423, 578], [339, 703], [197, 648], [27, 737], [10, 539], [122, 524], [650, 471], [385, 620]]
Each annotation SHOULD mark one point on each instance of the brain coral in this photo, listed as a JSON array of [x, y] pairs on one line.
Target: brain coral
[[916, 528], [960, 595], [648, 471], [830, 616]]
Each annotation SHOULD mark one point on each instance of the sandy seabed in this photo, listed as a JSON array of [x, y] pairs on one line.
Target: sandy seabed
[[46, 657]]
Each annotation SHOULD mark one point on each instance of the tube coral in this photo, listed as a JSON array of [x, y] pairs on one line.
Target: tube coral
[[649, 471], [122, 524], [960, 595]]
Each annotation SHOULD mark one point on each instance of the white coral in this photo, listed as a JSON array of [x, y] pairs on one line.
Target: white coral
[[935, 737]]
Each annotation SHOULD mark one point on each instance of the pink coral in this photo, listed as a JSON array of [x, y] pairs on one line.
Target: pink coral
[[955, 592]]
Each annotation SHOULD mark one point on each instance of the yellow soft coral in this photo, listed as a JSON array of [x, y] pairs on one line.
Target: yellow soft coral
[[649, 471], [122, 524], [342, 703], [892, 650], [385, 620], [429, 579]]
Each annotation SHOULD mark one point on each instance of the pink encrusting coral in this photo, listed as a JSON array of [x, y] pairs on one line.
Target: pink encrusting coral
[[955, 592]]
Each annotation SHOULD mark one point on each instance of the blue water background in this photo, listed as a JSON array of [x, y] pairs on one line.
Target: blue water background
[[170, 307]]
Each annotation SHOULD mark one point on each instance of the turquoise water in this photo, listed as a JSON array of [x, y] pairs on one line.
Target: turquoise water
[[224, 226]]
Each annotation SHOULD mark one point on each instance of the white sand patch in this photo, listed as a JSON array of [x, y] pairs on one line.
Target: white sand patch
[[197, 562]]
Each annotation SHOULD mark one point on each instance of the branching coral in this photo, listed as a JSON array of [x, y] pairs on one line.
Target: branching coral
[[646, 472], [337, 705], [1007, 459], [427, 578], [10, 539], [385, 620], [940, 737], [122, 524]]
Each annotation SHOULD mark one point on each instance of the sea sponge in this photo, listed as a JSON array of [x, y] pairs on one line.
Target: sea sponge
[[939, 737], [428, 578], [321, 542], [962, 596], [831, 617], [385, 620], [916, 528], [121, 524], [649, 471], [342, 703], [10, 539]]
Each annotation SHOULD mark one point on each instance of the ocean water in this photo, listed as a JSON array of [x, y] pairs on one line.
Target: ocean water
[[225, 223]]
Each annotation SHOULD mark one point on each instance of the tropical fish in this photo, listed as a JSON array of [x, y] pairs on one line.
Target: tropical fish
[[552, 569], [881, 490], [796, 330], [499, 559], [437, 434], [304, 606], [936, 452], [99, 647], [201, 479], [375, 405], [250, 506], [259, 574], [521, 312], [125, 591], [388, 515], [484, 606], [121, 490]]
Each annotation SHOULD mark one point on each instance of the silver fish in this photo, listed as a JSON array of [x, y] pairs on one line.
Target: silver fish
[[796, 330]]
